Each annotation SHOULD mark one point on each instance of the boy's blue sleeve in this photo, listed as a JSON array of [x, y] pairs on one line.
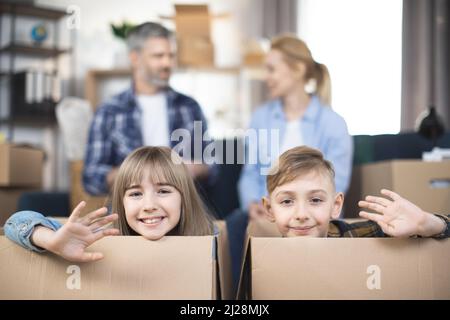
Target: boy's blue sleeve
[[20, 226]]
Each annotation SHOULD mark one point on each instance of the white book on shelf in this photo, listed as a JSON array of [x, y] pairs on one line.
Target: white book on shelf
[[39, 86], [56, 88], [29, 86], [48, 86]]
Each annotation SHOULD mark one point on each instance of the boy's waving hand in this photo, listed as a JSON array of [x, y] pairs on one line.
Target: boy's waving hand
[[399, 217]]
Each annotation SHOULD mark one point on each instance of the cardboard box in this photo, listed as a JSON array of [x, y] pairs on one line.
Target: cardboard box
[[195, 51], [9, 198], [254, 59], [193, 30], [347, 268], [223, 285], [427, 184], [77, 193], [192, 20], [20, 166], [133, 268], [254, 52]]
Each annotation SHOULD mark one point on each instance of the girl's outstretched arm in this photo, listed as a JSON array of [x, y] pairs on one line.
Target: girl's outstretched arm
[[71, 239]]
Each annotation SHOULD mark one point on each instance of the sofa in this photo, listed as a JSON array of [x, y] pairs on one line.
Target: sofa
[[222, 196]]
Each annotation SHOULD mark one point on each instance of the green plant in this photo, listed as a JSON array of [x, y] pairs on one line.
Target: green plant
[[121, 30]]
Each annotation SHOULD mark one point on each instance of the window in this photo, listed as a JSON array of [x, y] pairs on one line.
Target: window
[[360, 42]]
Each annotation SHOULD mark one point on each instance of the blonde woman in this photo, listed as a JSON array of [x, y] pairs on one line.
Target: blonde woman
[[300, 109], [153, 196]]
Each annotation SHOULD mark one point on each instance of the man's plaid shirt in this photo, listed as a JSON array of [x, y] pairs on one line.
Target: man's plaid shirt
[[116, 131]]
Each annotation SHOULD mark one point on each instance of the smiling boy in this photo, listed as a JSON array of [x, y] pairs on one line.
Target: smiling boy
[[303, 201]]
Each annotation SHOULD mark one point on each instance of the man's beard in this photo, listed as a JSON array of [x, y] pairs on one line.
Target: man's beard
[[155, 80]]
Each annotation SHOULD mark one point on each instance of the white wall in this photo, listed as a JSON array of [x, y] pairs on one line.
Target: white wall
[[96, 47], [361, 44]]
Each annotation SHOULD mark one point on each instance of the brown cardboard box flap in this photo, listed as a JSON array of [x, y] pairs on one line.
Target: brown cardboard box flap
[[133, 268], [256, 228], [262, 228], [224, 261]]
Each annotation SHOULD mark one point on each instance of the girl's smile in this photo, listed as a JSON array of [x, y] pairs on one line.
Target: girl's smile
[[152, 209]]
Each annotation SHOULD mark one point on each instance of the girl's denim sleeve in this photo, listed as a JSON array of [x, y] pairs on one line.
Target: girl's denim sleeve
[[20, 226]]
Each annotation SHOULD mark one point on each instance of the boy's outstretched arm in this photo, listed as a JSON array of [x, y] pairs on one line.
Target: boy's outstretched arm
[[71, 240], [399, 217]]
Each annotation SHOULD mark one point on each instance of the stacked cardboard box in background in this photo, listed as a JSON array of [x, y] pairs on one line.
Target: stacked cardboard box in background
[[20, 171], [254, 52], [427, 184], [193, 31]]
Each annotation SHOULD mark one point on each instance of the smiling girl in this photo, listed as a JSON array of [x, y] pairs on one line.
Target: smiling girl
[[153, 196]]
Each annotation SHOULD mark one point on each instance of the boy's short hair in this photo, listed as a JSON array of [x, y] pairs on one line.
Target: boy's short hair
[[296, 162]]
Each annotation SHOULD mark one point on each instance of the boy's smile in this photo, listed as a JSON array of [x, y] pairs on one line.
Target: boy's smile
[[301, 230]]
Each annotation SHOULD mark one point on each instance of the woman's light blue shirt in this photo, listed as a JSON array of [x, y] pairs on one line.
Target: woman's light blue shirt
[[321, 128]]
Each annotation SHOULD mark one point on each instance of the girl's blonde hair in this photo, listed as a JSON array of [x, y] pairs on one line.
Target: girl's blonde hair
[[295, 50], [296, 162], [194, 218]]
